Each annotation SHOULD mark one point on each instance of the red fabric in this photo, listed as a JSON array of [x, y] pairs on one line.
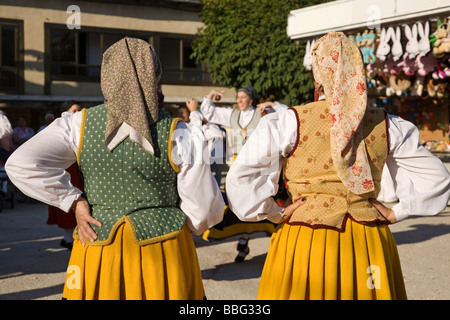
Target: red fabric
[[62, 219]]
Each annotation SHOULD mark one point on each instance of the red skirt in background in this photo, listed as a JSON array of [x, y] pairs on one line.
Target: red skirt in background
[[57, 216]]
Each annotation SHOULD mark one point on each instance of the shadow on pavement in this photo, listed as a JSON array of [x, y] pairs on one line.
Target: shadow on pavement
[[249, 269], [420, 233], [33, 293]]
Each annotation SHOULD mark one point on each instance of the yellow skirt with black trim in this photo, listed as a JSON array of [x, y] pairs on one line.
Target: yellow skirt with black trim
[[166, 270], [361, 262]]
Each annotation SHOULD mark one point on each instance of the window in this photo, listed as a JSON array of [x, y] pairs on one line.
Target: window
[[178, 66], [10, 61], [76, 55]]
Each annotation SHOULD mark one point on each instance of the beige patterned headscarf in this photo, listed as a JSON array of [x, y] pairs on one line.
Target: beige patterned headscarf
[[338, 66], [129, 76]]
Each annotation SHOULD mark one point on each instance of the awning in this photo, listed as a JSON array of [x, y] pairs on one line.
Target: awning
[[342, 15]]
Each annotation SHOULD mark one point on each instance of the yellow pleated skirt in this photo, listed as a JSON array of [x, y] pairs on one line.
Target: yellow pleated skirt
[[167, 270], [360, 263]]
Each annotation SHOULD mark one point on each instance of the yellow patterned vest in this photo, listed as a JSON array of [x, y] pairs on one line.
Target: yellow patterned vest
[[128, 184], [309, 170]]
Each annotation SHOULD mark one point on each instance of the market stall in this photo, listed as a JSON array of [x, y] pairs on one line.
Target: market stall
[[406, 50]]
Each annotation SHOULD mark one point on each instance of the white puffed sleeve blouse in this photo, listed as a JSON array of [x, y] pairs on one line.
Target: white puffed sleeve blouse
[[37, 168], [421, 181]]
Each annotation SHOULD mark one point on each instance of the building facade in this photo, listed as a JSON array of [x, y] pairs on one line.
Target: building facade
[[51, 51]]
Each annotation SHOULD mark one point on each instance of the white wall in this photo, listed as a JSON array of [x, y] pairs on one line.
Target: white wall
[[343, 15]]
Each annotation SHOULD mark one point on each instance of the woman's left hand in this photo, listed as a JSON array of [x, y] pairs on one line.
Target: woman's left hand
[[263, 106], [389, 214]]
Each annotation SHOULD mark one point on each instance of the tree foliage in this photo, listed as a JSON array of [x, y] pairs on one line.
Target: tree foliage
[[245, 42]]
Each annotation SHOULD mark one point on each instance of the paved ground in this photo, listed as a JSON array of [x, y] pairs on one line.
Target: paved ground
[[32, 264]]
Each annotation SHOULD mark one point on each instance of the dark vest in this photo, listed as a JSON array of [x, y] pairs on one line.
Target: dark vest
[[129, 184]]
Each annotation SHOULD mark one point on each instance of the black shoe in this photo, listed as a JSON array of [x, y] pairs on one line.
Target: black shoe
[[66, 244], [243, 249]]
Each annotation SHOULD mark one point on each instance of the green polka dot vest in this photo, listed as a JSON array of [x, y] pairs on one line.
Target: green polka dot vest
[[129, 184]]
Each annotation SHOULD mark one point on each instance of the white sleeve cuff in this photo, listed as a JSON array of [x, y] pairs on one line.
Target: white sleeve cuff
[[400, 214]]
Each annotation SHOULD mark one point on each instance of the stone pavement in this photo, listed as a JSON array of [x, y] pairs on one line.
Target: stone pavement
[[32, 264]]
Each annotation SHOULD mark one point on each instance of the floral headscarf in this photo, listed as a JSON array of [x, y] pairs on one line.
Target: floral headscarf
[[338, 66], [129, 77]]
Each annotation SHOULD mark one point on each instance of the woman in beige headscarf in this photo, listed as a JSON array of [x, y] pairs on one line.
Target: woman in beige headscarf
[[335, 242], [133, 239]]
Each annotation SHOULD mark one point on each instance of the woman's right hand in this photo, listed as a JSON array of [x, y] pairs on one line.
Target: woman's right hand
[[216, 95], [84, 217], [192, 104]]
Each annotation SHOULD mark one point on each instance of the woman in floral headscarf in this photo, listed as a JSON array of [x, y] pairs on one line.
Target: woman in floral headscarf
[[333, 241], [133, 239]]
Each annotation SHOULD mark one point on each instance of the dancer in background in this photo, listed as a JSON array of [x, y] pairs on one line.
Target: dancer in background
[[22, 132], [241, 122], [5, 151], [214, 135]]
